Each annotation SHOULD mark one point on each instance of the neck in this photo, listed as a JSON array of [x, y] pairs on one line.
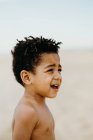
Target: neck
[[34, 97]]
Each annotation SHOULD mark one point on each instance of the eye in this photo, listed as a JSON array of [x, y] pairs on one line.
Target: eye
[[60, 70], [50, 70]]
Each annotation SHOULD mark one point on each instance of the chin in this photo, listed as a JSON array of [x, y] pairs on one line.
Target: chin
[[52, 96]]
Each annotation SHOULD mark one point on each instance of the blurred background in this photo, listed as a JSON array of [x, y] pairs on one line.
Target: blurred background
[[70, 22]]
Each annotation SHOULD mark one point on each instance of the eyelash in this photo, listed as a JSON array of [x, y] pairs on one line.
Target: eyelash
[[50, 70], [60, 70]]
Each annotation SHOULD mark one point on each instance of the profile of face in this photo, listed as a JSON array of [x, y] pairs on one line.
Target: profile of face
[[47, 79]]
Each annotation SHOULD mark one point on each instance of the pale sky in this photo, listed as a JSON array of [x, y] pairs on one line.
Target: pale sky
[[68, 21]]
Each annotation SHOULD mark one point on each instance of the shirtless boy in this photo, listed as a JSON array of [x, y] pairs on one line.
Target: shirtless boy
[[36, 66]]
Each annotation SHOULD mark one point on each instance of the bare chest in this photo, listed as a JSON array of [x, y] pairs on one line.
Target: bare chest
[[44, 129]]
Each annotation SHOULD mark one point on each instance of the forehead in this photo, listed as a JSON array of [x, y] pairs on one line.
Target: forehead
[[51, 58]]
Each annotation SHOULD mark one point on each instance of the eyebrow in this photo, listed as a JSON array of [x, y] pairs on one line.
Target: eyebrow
[[53, 65]]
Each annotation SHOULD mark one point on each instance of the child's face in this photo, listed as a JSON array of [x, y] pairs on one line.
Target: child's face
[[47, 79]]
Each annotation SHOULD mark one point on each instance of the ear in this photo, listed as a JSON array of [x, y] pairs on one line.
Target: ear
[[26, 77]]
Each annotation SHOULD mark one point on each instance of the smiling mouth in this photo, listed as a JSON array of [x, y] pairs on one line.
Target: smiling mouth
[[55, 87]]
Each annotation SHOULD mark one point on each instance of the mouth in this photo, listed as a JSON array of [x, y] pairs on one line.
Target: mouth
[[55, 87]]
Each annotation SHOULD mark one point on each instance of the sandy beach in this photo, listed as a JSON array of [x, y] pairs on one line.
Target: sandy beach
[[73, 107]]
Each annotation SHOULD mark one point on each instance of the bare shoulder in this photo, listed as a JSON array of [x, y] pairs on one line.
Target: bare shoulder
[[25, 113], [25, 119]]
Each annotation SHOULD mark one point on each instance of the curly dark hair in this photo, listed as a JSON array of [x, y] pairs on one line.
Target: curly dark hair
[[26, 54]]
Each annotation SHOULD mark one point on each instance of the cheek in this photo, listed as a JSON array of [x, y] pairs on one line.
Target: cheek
[[49, 78], [45, 81]]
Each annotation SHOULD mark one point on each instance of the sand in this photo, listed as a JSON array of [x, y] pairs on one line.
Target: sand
[[73, 107]]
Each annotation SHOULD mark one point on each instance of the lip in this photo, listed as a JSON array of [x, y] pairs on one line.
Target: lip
[[56, 88]]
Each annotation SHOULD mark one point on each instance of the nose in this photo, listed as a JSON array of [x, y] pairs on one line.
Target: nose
[[58, 76]]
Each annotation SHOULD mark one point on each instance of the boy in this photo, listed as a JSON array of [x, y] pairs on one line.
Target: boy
[[36, 66]]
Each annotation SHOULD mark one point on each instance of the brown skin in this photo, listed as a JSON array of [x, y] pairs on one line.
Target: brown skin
[[32, 118]]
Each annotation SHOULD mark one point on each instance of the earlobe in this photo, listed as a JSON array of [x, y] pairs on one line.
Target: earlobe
[[26, 77]]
